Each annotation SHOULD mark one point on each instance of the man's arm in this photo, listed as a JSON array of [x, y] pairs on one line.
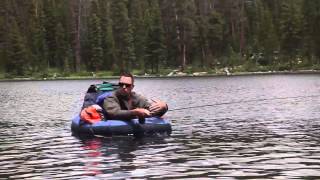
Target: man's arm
[[156, 107]]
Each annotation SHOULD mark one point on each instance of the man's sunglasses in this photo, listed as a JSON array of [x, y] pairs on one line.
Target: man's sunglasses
[[125, 84]]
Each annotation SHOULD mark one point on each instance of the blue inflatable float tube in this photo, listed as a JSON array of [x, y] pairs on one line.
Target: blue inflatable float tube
[[152, 125]]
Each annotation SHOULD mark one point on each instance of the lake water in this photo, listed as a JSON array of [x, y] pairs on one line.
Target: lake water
[[253, 127]]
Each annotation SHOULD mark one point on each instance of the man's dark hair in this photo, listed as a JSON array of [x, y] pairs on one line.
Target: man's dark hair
[[127, 74]]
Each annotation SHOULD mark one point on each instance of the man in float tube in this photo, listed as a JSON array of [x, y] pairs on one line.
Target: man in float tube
[[125, 104]]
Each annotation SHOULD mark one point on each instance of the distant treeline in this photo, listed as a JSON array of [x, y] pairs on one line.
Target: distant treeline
[[151, 35]]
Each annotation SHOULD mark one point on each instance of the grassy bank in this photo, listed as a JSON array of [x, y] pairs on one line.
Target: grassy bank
[[189, 71]]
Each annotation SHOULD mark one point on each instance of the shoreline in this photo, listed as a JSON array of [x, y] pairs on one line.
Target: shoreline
[[166, 76]]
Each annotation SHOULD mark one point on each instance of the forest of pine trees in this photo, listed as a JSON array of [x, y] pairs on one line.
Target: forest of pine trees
[[150, 36]]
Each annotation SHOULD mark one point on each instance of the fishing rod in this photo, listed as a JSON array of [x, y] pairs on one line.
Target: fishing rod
[[245, 101]]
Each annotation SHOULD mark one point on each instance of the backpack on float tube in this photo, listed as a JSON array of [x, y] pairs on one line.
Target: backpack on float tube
[[92, 109]]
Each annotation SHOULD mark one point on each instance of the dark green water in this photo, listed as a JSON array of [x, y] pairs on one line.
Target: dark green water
[[271, 139]]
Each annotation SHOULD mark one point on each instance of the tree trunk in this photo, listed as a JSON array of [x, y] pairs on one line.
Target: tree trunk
[[232, 30], [78, 45], [181, 43], [177, 31], [203, 53], [183, 55], [242, 37], [75, 9]]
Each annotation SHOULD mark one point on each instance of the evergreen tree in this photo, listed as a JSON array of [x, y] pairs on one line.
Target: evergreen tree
[[155, 53], [17, 53], [95, 40], [268, 41], [39, 48], [254, 13], [122, 31], [232, 12], [129, 53], [185, 28], [62, 46], [137, 12], [202, 40], [311, 16], [109, 48], [215, 34], [107, 35], [290, 30], [2, 34], [50, 22], [75, 20]]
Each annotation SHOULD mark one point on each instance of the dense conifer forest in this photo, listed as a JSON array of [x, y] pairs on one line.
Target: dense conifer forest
[[39, 38]]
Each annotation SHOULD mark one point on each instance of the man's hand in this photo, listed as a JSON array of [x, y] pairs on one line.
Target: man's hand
[[141, 113], [157, 106]]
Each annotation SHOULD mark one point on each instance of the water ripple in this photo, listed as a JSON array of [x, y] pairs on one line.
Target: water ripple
[[276, 139]]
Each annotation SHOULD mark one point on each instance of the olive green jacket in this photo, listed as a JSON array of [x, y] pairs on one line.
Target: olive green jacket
[[117, 107]]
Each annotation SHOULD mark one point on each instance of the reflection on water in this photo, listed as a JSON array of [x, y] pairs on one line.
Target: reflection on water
[[274, 139], [93, 147]]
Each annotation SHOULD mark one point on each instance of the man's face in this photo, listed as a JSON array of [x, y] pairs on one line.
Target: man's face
[[126, 85]]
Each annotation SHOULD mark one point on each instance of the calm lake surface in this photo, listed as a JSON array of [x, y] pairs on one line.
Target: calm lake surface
[[271, 138]]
